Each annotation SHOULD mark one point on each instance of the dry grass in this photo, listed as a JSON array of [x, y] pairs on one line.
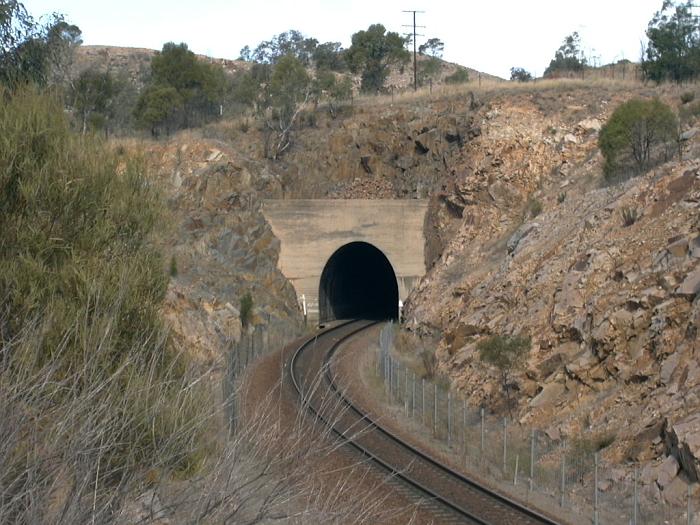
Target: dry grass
[[75, 455]]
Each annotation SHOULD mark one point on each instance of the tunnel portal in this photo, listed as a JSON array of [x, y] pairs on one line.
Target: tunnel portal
[[358, 282]]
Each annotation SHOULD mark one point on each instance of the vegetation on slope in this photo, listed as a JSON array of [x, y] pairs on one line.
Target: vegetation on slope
[[91, 392]]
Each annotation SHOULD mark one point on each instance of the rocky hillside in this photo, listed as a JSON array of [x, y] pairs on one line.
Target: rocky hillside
[[605, 279], [523, 235], [133, 63], [221, 246]]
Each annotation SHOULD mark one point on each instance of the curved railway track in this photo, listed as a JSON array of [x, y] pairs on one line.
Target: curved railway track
[[461, 499]]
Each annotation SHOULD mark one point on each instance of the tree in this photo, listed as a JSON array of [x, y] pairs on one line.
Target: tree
[[159, 107], [290, 42], [252, 88], [200, 88], [329, 55], [62, 41], [507, 354], [433, 47], [327, 85], [93, 96], [28, 49], [519, 74], [639, 131], [460, 76], [568, 58], [290, 88], [372, 52], [428, 68], [673, 51]]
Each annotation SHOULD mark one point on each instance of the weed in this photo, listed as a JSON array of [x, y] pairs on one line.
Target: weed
[[534, 207], [246, 310], [561, 197], [629, 215], [173, 266]]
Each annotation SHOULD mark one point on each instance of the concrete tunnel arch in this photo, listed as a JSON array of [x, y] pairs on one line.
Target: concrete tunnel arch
[[358, 282]]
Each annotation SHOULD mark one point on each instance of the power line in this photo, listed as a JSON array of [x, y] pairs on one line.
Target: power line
[[415, 68]]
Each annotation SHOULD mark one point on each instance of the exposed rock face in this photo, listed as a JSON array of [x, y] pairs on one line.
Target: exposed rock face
[[613, 311], [221, 244], [683, 442]]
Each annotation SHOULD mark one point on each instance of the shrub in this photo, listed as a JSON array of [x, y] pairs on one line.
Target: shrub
[[629, 216], [246, 311], [74, 218], [173, 266], [534, 207], [506, 353], [91, 390], [561, 197], [687, 97], [458, 77], [639, 132], [520, 75]]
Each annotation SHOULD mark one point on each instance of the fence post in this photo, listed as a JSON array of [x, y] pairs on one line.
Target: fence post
[[405, 400], [413, 396], [435, 411], [690, 508], [636, 498], [464, 429], [449, 418], [532, 459], [391, 380], [515, 476], [563, 477], [481, 448], [505, 446], [595, 489], [422, 403]]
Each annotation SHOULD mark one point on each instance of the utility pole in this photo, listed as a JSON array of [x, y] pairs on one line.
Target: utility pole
[[415, 62]]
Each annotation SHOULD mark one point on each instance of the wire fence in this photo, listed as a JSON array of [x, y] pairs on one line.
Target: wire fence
[[253, 343], [566, 478]]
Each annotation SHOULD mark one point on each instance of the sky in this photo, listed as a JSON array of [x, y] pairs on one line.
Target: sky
[[487, 35]]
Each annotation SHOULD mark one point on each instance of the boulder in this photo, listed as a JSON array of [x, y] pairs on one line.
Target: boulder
[[669, 366], [549, 395], [690, 285], [652, 297], [694, 247], [503, 194], [678, 248], [667, 471], [682, 440], [590, 124], [687, 135], [519, 235]]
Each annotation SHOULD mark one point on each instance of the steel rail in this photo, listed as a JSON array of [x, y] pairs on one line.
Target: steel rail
[[451, 475]]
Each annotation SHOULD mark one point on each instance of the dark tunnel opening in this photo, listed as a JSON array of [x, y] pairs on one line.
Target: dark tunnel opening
[[358, 282]]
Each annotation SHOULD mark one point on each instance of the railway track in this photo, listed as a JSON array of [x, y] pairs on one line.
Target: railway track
[[458, 498]]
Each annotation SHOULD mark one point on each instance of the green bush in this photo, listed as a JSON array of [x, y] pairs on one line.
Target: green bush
[[534, 207], [637, 134], [506, 353], [458, 77], [687, 96], [246, 311], [81, 287]]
